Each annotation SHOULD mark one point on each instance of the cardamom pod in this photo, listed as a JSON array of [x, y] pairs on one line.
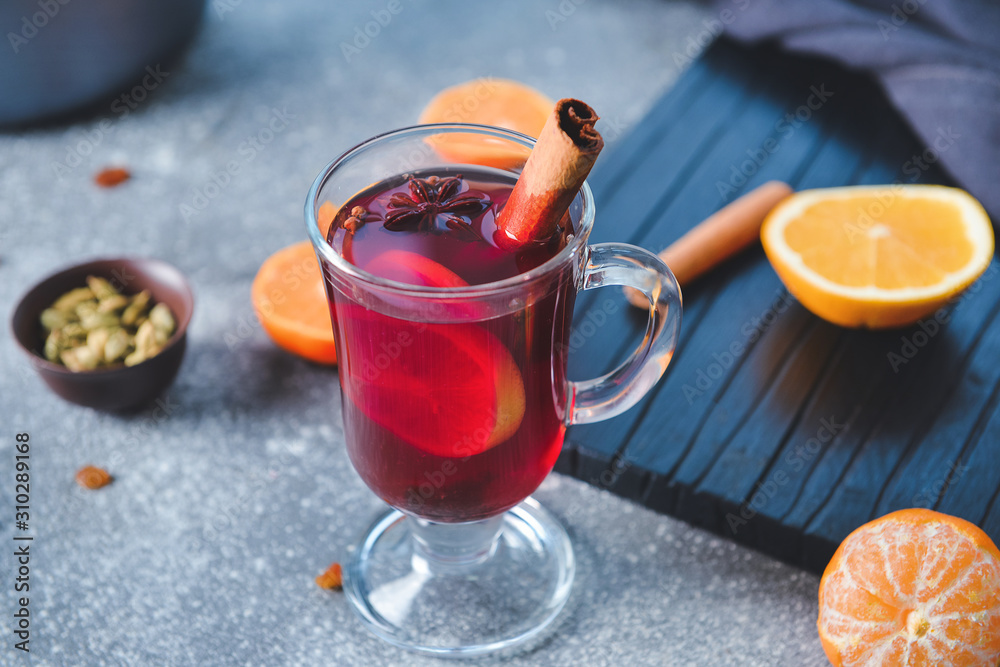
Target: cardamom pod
[[54, 344], [95, 320], [70, 299], [96, 340], [74, 330], [162, 318], [116, 346], [55, 319], [163, 322], [136, 308], [101, 288], [136, 357], [145, 339], [112, 303], [79, 359], [88, 307]]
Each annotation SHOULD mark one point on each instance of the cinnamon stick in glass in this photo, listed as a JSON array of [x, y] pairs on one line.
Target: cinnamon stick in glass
[[556, 169]]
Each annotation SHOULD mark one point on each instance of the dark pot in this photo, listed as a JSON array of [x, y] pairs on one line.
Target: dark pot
[[61, 55]]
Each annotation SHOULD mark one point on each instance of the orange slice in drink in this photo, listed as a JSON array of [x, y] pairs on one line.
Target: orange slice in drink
[[290, 302], [413, 269], [915, 587], [878, 256], [451, 390], [487, 101]]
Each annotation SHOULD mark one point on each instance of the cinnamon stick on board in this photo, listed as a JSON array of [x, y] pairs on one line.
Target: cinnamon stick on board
[[556, 169], [718, 237]]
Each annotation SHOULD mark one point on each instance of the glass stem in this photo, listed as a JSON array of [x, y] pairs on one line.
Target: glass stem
[[452, 547]]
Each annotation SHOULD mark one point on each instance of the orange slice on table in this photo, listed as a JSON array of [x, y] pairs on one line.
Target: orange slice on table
[[915, 587], [878, 256], [324, 217], [487, 101], [290, 301], [452, 390]]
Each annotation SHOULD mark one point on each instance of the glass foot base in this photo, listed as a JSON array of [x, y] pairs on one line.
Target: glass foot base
[[461, 590]]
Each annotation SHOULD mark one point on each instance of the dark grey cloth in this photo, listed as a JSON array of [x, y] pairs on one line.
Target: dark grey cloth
[[938, 61]]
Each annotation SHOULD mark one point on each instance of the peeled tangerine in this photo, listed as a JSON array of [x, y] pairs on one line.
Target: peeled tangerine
[[878, 256], [916, 588]]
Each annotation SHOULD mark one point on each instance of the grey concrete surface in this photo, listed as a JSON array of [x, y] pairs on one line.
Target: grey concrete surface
[[236, 491]]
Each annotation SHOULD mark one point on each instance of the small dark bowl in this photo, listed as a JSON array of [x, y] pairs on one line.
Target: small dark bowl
[[120, 387]]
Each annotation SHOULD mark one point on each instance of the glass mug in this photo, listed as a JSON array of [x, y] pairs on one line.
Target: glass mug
[[455, 404]]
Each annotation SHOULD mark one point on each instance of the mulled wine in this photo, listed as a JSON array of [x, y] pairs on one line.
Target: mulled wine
[[460, 416]]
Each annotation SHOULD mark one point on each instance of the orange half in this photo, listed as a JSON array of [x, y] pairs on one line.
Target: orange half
[[878, 256]]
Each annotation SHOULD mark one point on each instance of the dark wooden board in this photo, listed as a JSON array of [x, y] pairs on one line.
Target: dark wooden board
[[772, 426]]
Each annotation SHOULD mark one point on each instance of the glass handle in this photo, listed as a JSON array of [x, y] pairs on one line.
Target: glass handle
[[614, 393]]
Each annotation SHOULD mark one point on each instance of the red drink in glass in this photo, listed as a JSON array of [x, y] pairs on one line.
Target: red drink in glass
[[458, 419], [452, 357]]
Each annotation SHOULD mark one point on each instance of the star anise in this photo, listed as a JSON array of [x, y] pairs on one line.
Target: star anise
[[431, 198]]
